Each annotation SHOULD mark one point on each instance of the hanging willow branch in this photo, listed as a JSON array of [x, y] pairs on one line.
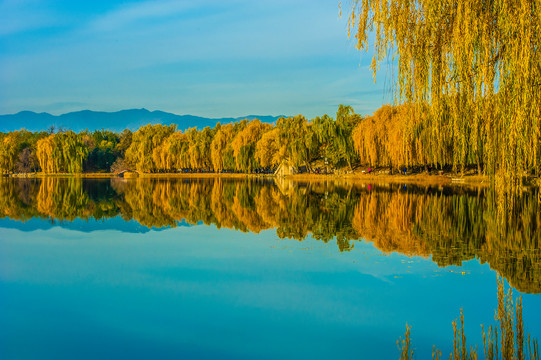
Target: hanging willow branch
[[476, 64]]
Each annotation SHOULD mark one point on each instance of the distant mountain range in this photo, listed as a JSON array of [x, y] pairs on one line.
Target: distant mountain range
[[115, 121]]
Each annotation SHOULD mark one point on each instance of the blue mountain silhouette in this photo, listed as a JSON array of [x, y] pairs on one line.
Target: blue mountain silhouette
[[116, 121]]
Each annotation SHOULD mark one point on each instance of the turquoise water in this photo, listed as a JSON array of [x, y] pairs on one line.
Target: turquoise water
[[109, 287]]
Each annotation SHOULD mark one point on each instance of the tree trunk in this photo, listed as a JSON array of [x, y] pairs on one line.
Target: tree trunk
[[308, 167]]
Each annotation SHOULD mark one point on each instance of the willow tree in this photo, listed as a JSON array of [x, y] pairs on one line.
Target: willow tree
[[144, 141], [269, 152], [370, 138], [204, 141], [346, 120], [18, 150], [391, 137], [8, 152], [48, 155], [197, 158], [223, 137], [298, 139], [172, 154], [334, 138], [74, 151], [244, 145], [476, 63], [62, 152]]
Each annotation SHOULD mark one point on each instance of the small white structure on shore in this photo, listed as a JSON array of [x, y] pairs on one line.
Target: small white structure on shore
[[285, 169]]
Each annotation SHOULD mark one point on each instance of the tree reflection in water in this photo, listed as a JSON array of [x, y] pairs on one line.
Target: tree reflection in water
[[450, 224]]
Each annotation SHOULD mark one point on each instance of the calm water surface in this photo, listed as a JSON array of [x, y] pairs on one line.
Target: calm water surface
[[228, 269]]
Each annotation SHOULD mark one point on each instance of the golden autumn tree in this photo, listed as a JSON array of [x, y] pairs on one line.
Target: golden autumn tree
[[74, 151], [48, 155], [392, 137], [196, 159], [8, 152], [62, 152], [269, 151], [149, 137], [476, 63], [219, 144], [244, 145], [18, 151], [298, 139], [203, 143], [172, 154], [369, 138]]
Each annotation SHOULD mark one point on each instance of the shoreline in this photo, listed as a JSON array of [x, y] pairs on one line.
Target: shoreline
[[421, 178], [450, 179]]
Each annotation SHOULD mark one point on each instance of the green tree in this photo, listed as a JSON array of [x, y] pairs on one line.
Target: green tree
[[335, 137]]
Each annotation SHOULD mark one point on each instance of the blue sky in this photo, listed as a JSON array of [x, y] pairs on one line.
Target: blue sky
[[207, 57]]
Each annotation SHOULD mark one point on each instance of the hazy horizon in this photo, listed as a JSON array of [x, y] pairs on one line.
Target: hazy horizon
[[140, 108]]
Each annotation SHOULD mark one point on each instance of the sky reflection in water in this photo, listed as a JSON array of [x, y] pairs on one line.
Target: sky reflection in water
[[72, 290]]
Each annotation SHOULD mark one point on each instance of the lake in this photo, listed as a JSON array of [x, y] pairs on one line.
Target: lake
[[216, 268]]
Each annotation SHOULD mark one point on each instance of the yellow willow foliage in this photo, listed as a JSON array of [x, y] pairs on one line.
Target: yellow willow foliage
[[160, 158], [144, 201], [172, 153], [477, 64], [451, 225], [16, 147], [198, 202], [62, 152], [244, 144], [269, 151], [196, 152], [140, 154], [221, 204], [49, 155], [296, 139], [204, 142], [64, 199], [10, 200], [387, 218], [193, 150], [176, 201], [270, 214], [368, 140], [74, 151], [248, 217], [219, 145], [8, 152], [393, 136]]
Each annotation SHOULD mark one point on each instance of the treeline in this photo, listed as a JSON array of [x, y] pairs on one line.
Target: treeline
[[62, 151], [393, 137], [243, 146], [448, 225]]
